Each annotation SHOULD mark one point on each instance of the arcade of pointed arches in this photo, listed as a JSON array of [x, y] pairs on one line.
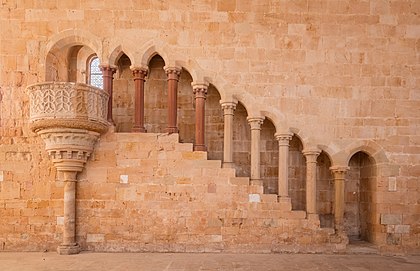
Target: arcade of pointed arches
[[158, 97]]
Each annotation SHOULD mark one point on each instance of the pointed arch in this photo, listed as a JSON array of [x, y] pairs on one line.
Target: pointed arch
[[117, 53], [370, 147], [148, 51]]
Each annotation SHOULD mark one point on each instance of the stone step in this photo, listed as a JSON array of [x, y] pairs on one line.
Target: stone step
[[256, 189], [269, 198], [239, 180], [228, 172], [147, 137], [194, 155]]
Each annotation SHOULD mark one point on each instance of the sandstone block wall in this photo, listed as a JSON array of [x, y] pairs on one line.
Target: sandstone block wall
[[341, 76]]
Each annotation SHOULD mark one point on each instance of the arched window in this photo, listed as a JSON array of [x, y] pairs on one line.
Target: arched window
[[95, 73]]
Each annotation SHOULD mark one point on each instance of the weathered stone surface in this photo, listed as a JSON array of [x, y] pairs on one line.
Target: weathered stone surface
[[391, 219], [337, 77]]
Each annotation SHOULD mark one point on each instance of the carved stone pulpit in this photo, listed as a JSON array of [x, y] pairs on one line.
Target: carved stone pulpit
[[69, 117]]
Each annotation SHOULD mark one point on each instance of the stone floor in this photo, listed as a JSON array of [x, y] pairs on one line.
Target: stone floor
[[11, 261]]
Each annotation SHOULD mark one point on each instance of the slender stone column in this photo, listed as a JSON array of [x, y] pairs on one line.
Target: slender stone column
[[69, 245], [200, 92], [311, 156], [255, 123], [339, 173], [283, 182], [228, 110], [173, 74], [139, 78], [108, 76]]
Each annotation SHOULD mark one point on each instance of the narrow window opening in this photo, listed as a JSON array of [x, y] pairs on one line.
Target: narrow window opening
[[95, 73]]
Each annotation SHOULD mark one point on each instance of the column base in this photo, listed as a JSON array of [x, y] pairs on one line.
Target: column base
[[228, 165], [172, 130], [138, 130], [200, 148], [68, 249]]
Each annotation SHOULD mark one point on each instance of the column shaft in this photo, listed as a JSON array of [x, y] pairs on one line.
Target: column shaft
[[173, 74], [69, 245], [311, 156], [255, 124], [200, 92], [108, 76], [69, 213], [283, 181], [228, 110], [339, 177], [139, 78]]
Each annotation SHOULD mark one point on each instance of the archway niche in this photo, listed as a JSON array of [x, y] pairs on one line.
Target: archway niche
[[66, 63], [241, 142], [155, 97], [297, 174], [358, 191], [73, 60], [325, 191], [186, 108], [123, 95], [214, 125], [269, 157]]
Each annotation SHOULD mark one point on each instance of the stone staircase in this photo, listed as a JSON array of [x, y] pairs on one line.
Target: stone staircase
[[148, 192]]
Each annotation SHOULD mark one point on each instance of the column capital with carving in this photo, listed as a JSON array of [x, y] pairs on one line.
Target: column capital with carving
[[173, 73], [228, 107], [339, 172], [139, 72], [200, 90], [110, 68], [311, 155], [255, 122], [283, 138]]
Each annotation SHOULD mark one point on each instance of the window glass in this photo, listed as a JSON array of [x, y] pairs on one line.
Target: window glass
[[95, 75]]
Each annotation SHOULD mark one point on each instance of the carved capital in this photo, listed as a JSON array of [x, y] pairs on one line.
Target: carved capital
[[283, 138], [69, 149], [139, 73], [255, 122], [108, 70], [173, 73], [339, 172], [200, 90], [228, 107], [311, 155]]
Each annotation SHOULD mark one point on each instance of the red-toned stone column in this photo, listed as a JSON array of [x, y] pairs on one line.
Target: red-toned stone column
[[283, 182], [173, 74], [255, 123], [339, 173], [311, 156], [228, 110], [139, 78], [108, 76], [200, 93]]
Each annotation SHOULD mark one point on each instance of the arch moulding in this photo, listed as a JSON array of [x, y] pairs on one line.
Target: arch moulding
[[73, 37], [370, 147]]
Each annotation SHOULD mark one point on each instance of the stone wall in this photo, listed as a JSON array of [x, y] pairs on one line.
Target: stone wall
[[339, 75]]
